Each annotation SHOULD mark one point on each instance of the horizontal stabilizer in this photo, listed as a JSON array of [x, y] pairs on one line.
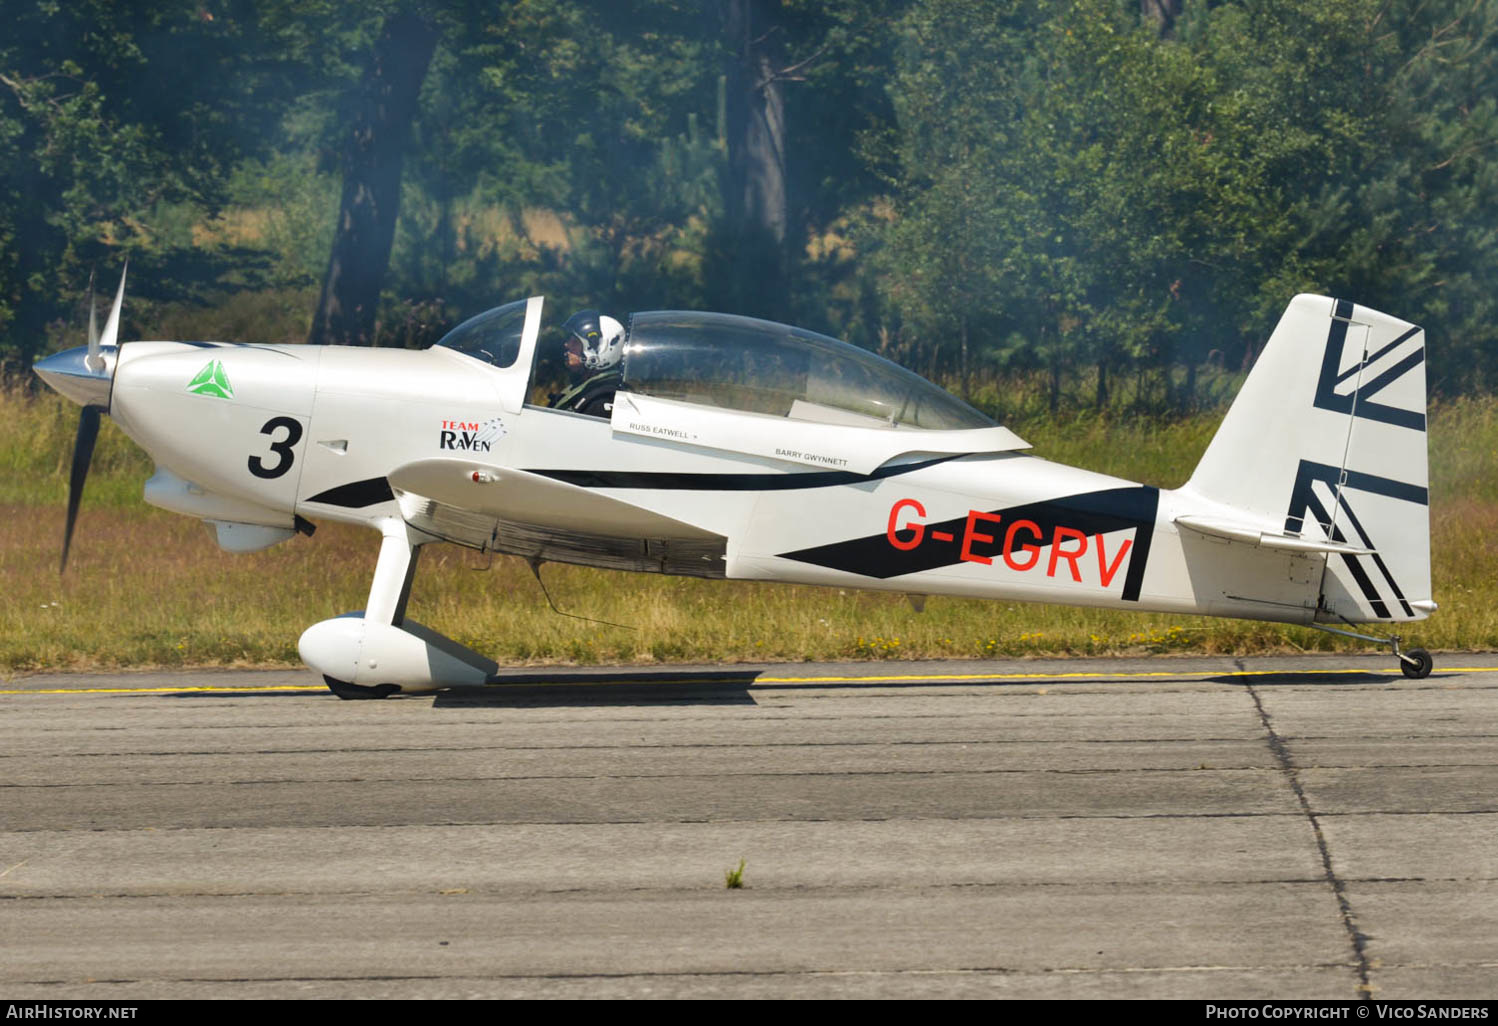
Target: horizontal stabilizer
[[1240, 532]]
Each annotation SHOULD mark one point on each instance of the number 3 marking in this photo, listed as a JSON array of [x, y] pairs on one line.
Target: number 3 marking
[[281, 448]]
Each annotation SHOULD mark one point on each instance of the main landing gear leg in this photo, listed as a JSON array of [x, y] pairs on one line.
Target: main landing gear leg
[[388, 594], [1415, 663], [378, 652]]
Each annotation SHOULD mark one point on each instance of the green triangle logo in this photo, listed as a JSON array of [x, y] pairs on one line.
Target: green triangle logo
[[212, 380]]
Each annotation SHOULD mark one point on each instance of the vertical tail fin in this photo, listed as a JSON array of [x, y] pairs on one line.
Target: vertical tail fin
[[1326, 441]]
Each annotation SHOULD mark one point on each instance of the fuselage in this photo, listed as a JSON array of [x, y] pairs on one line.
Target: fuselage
[[260, 435]]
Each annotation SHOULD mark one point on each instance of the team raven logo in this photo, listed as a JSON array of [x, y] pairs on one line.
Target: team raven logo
[[470, 436]]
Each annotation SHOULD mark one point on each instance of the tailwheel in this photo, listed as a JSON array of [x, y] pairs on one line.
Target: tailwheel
[[353, 692], [1416, 663]]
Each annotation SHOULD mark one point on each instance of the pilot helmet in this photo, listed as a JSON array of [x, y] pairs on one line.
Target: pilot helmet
[[602, 338]]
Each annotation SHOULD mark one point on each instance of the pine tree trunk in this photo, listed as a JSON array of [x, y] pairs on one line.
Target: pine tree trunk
[[1162, 12], [378, 130], [1055, 389], [967, 380], [755, 188]]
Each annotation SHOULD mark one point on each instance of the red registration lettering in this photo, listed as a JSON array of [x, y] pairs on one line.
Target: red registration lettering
[[1105, 570], [969, 536], [1058, 553], [917, 527], [1033, 550], [1022, 542]]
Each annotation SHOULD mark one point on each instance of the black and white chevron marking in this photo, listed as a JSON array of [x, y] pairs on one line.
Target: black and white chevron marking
[[1320, 489], [1338, 390]]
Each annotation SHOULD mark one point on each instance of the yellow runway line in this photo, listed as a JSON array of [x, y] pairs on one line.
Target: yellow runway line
[[864, 679], [148, 691], [1091, 676]]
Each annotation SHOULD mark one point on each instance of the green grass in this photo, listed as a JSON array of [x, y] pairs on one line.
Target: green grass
[[148, 588], [37, 431]]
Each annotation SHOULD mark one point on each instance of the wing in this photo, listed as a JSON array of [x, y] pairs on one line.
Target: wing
[[501, 509]]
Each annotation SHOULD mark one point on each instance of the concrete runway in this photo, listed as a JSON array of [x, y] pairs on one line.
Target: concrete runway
[[1203, 828]]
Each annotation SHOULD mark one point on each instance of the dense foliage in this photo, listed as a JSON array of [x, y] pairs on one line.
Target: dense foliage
[[1072, 194]]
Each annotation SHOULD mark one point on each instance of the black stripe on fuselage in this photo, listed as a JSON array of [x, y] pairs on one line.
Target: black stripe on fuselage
[[1091, 513], [262, 346], [664, 481], [356, 494]]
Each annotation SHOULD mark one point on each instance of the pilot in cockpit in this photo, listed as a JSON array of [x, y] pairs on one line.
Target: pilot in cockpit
[[594, 346]]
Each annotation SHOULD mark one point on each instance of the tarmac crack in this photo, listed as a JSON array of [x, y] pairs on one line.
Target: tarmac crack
[[1358, 939]]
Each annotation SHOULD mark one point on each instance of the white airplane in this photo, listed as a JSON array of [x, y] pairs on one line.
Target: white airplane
[[740, 448]]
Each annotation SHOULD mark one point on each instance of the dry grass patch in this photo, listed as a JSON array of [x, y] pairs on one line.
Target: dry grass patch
[[148, 588]]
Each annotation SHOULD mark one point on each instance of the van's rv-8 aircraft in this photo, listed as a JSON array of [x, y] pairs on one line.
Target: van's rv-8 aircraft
[[740, 448]]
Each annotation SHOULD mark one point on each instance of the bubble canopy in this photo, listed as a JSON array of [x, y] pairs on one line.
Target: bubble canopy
[[740, 363]]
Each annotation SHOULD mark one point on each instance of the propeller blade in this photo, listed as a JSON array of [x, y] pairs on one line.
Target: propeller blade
[[112, 326], [93, 320], [83, 453]]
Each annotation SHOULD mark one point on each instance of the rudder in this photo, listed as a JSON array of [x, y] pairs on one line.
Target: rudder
[[1326, 441]]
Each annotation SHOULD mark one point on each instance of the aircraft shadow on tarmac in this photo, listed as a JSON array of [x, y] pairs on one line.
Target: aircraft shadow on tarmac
[[619, 688], [728, 687], [1290, 677]]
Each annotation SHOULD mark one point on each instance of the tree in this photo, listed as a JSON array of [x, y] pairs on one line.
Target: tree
[[379, 128], [107, 131], [1162, 12], [755, 182], [803, 83], [565, 148], [1425, 241], [1098, 196]]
